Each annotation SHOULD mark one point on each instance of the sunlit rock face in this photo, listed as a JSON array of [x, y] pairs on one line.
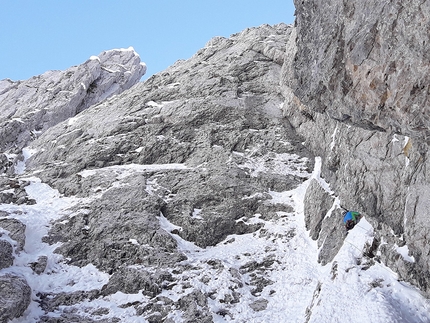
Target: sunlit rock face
[[366, 63], [360, 97], [29, 108]]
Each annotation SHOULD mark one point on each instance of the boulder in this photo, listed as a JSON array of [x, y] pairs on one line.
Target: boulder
[[15, 296]]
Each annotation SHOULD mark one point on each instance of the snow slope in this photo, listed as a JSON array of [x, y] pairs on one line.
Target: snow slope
[[294, 287]]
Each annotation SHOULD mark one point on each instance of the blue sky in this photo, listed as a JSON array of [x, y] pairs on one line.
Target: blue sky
[[37, 36]]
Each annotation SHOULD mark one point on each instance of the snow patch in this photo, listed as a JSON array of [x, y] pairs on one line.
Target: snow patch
[[123, 171], [404, 252], [196, 214], [20, 165], [282, 164], [316, 174], [333, 138]]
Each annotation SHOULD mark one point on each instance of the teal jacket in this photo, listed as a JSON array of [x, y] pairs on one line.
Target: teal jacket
[[351, 215]]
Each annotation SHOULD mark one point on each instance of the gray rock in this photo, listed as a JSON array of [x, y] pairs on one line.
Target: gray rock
[[331, 237], [101, 233], [72, 317], [6, 254], [195, 308], [328, 230], [31, 107], [131, 281], [259, 305], [15, 296], [16, 231], [40, 265], [317, 203], [52, 302], [365, 62], [342, 83]]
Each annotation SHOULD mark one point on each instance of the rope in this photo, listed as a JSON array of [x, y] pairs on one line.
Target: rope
[[362, 254]]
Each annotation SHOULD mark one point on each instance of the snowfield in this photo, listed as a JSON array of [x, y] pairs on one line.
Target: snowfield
[[293, 286]]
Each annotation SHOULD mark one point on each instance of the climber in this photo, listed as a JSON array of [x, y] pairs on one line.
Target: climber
[[350, 219]]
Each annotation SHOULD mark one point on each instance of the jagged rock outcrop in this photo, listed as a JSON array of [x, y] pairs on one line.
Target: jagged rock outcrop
[[15, 230], [212, 127], [31, 107], [317, 203], [359, 96]]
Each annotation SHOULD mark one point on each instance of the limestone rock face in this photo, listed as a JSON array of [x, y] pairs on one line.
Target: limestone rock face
[[359, 96], [366, 63], [31, 107]]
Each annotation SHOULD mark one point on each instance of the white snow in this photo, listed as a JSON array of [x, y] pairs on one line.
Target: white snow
[[405, 146], [333, 138], [154, 104], [20, 165], [316, 174], [345, 290], [404, 252], [196, 214], [395, 139], [133, 241], [123, 171]]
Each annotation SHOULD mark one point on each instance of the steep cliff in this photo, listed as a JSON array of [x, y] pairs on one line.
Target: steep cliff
[[361, 83]]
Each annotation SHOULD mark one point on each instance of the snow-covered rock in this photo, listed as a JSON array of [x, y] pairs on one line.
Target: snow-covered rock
[[29, 108], [196, 196]]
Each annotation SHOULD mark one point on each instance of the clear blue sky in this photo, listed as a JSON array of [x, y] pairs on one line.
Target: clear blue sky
[[41, 35]]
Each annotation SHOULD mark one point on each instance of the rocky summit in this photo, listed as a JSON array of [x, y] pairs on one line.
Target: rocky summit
[[214, 190]]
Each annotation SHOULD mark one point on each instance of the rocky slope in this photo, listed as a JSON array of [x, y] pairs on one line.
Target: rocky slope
[[196, 196]]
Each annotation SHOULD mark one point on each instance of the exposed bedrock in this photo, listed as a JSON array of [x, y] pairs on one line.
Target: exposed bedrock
[[356, 86]]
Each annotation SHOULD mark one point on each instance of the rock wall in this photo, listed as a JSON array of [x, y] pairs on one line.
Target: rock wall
[[356, 83], [366, 62]]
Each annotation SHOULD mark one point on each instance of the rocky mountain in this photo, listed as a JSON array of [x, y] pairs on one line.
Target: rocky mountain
[[213, 191]]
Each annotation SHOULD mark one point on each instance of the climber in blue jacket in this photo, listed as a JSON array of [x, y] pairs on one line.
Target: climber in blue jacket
[[350, 219]]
